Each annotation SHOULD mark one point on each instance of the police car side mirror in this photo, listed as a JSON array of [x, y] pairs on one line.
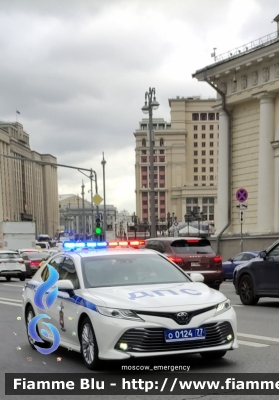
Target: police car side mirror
[[197, 277], [263, 254], [65, 285]]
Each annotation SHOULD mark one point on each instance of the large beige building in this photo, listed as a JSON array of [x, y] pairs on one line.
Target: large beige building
[[28, 190], [185, 161], [247, 82]]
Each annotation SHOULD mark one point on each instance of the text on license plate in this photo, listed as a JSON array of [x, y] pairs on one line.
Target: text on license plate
[[195, 264], [179, 335]]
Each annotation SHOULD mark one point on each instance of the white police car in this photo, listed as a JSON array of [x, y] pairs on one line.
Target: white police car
[[116, 303]]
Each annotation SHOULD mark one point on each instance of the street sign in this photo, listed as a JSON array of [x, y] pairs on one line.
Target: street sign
[[242, 217], [97, 199], [241, 195], [175, 224], [101, 216], [242, 206]]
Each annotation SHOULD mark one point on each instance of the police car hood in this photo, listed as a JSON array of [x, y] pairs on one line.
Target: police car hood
[[157, 296]]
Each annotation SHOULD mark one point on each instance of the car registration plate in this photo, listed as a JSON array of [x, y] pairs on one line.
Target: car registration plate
[[195, 264], [181, 335]]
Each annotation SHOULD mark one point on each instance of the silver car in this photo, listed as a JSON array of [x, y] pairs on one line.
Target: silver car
[[12, 265]]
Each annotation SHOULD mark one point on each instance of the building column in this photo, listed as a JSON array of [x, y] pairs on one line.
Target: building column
[[275, 146], [77, 224], [266, 165], [222, 208]]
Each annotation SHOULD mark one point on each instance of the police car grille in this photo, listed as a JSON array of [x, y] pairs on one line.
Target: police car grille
[[152, 339]]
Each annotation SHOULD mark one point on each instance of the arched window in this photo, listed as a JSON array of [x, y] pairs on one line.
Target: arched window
[[143, 143], [161, 142]]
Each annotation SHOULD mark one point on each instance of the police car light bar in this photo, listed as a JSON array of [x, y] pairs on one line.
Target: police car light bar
[[127, 243], [84, 245]]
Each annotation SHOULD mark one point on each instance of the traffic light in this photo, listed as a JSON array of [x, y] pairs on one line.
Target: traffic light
[[98, 229]]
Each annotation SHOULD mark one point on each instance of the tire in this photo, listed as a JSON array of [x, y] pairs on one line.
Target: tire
[[246, 291], [216, 287], [8, 278], [22, 277], [29, 314], [213, 355], [88, 344]]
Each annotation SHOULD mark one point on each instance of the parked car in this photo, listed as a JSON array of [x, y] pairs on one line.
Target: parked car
[[33, 260], [12, 265], [258, 277], [229, 266], [192, 254]]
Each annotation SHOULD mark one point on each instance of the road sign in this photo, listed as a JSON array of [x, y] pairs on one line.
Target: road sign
[[242, 206], [242, 217], [175, 224], [241, 195], [101, 216], [97, 199]]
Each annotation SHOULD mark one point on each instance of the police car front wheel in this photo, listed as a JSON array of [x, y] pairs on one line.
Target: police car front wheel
[[89, 348]]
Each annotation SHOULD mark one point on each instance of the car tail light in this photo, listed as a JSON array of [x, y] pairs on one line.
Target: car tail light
[[35, 263], [217, 259], [176, 260]]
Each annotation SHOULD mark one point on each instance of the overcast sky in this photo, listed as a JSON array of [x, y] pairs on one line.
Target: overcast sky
[[78, 70]]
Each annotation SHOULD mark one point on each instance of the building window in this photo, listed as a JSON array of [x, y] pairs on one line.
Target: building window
[[211, 177], [195, 184], [195, 152], [211, 136], [161, 159], [203, 127], [143, 159], [162, 202], [217, 117], [195, 160], [211, 127], [162, 185], [211, 152], [162, 151], [203, 184], [203, 135], [195, 117], [211, 116], [143, 152], [211, 144], [196, 169], [195, 135], [195, 144], [144, 202], [211, 184], [195, 127], [143, 142], [203, 161], [203, 116], [144, 169], [211, 169], [161, 142], [144, 194], [211, 161], [203, 169], [203, 152], [195, 177], [203, 178], [161, 168], [192, 200], [203, 144]]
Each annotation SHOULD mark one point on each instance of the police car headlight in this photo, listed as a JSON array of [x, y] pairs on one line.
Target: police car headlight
[[118, 313], [222, 307]]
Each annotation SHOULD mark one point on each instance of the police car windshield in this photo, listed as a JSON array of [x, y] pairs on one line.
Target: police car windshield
[[126, 270]]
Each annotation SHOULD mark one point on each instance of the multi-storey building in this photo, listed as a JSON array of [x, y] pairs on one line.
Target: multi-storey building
[[28, 190], [247, 81], [185, 162]]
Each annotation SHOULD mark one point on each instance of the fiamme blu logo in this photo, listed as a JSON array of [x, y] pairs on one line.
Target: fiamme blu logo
[[43, 303]]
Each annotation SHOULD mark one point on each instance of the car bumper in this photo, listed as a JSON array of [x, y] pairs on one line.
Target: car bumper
[[15, 271], [110, 332]]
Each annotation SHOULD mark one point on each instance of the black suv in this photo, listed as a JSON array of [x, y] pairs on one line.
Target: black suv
[[259, 277]]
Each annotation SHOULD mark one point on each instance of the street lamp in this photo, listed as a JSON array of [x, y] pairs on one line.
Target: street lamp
[[150, 105], [103, 162]]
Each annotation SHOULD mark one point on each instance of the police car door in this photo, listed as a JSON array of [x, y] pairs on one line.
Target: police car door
[[65, 307]]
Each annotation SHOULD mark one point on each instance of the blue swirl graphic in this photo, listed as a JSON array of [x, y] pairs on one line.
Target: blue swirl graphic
[[33, 333], [44, 287]]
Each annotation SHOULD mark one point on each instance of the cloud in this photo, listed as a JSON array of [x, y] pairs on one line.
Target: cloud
[[78, 72]]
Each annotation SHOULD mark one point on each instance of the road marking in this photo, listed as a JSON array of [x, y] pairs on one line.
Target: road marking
[[266, 338], [6, 299], [8, 284], [10, 304], [252, 344]]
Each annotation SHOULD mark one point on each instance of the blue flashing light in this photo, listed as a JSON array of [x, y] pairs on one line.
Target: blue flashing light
[[83, 245]]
